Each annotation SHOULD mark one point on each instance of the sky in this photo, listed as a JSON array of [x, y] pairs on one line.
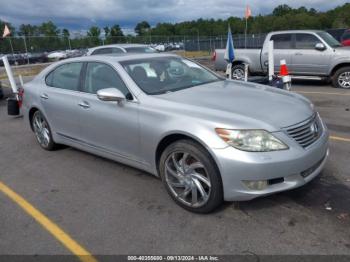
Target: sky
[[82, 14]]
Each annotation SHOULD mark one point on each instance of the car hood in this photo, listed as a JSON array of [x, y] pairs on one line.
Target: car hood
[[272, 106]]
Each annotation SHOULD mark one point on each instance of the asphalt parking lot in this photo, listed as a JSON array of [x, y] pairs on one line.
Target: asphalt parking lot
[[109, 208]]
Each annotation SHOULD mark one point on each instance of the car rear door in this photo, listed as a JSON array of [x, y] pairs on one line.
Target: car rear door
[[108, 126], [59, 99], [306, 59]]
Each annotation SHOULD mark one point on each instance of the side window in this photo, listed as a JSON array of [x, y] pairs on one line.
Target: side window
[[66, 76], [101, 76], [282, 41], [102, 51], [306, 41], [116, 50]]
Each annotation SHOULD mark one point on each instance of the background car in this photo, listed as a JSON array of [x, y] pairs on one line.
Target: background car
[[121, 49], [57, 55], [345, 39]]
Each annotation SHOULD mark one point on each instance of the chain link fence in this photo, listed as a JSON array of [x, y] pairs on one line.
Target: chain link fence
[[187, 43]]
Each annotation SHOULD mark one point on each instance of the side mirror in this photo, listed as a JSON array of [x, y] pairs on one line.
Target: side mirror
[[320, 47], [110, 94]]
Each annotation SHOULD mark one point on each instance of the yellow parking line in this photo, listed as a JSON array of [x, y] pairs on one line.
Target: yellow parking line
[[340, 138], [322, 93], [50, 226]]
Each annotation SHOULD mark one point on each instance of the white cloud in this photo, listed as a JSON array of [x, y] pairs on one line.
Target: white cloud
[[84, 13]]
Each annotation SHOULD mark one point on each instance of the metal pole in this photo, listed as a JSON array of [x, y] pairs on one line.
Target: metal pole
[[70, 47], [25, 47], [198, 46], [13, 53], [10, 74], [245, 33], [271, 60], [184, 44]]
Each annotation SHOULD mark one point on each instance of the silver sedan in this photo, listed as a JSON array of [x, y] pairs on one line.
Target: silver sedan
[[209, 139]]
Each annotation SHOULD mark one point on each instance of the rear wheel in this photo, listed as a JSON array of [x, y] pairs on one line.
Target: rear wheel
[[341, 78], [42, 131], [238, 72], [191, 177]]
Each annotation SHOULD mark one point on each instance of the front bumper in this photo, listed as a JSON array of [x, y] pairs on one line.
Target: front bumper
[[284, 170]]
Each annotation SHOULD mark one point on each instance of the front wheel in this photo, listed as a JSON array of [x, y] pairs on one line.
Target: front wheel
[[341, 78], [191, 177]]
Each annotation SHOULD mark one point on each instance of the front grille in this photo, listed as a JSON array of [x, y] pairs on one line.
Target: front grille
[[307, 132]]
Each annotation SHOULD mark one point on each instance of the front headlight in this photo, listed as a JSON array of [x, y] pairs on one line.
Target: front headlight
[[251, 140]]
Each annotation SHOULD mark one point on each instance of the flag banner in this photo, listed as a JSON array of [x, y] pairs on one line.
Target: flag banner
[[229, 52], [248, 12], [6, 31]]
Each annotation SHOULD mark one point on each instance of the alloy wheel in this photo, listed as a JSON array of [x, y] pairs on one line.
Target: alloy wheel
[[41, 129], [344, 80], [187, 179], [238, 74]]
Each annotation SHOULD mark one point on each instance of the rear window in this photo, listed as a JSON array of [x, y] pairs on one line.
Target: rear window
[[109, 50], [282, 41], [65, 76]]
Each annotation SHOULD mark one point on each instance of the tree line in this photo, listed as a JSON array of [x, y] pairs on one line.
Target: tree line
[[47, 36]]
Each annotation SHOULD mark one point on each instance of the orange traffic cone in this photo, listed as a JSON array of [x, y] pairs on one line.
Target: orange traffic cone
[[283, 68], [284, 74]]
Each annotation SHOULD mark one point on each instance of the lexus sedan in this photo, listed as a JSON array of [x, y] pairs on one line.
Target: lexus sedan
[[209, 139]]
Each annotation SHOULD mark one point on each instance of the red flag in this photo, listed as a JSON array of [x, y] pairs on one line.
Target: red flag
[[248, 12], [6, 31]]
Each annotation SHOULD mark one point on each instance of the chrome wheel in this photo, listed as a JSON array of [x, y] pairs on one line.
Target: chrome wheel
[[41, 129], [344, 80], [187, 179], [238, 74]]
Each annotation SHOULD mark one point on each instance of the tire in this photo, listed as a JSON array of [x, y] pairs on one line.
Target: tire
[[195, 186], [42, 131], [238, 72], [341, 78]]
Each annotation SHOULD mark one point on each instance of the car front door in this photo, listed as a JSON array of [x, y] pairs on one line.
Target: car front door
[[306, 59], [59, 99], [110, 127]]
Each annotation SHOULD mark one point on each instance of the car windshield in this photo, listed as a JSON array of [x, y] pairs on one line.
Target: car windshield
[[140, 49], [330, 40], [158, 75]]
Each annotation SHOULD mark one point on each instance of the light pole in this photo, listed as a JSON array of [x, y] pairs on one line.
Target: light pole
[[198, 43]]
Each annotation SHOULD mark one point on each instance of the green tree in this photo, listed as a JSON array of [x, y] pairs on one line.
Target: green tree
[[49, 29], [65, 32], [107, 31], [94, 31], [94, 34], [116, 31], [281, 10], [142, 28]]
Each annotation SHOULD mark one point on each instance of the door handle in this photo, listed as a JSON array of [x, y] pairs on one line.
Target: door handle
[[44, 96], [84, 105], [298, 54]]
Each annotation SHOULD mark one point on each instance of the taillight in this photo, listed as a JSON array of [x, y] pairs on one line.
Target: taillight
[[20, 96], [213, 58]]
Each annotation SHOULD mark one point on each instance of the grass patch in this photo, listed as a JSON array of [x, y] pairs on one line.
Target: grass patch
[[194, 54], [24, 71]]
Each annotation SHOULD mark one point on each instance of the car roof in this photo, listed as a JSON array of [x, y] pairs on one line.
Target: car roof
[[119, 45], [296, 31], [118, 57]]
